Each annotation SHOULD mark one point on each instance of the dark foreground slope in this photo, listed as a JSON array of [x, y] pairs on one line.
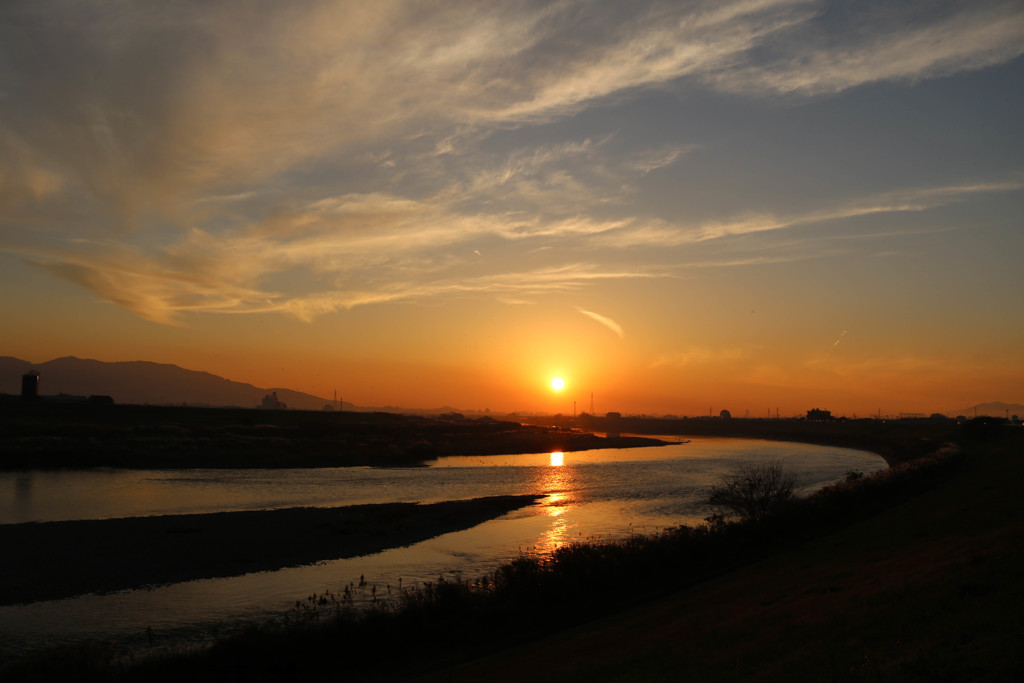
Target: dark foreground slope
[[932, 589]]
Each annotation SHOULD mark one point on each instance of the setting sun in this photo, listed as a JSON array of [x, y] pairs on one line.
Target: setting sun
[[463, 245]]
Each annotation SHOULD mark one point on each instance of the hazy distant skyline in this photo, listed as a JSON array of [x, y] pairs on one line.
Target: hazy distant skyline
[[749, 205]]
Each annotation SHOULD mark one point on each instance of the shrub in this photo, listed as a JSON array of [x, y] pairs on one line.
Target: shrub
[[755, 491]]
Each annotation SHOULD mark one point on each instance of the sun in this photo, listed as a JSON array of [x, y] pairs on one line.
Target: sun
[[558, 384]]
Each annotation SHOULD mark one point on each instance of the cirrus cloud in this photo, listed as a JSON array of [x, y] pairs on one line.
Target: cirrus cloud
[[312, 156]]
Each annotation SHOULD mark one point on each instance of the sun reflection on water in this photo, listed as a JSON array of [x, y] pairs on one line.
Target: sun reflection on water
[[558, 482], [556, 504]]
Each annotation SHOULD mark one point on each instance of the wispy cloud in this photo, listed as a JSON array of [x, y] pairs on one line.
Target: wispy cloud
[[528, 283], [161, 290], [648, 49], [371, 249], [246, 95], [660, 158], [661, 233], [606, 321], [313, 156], [884, 43], [697, 356]]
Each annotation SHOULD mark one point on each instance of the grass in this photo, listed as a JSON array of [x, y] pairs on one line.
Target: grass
[[911, 574]]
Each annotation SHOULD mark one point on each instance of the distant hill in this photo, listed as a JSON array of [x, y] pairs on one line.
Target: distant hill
[[992, 409], [143, 382]]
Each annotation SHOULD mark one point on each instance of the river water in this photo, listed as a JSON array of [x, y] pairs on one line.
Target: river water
[[600, 494]]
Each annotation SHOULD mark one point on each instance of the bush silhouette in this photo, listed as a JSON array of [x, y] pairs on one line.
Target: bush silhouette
[[755, 491]]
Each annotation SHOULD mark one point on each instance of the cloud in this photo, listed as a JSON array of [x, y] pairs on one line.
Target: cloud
[[883, 44], [152, 109], [607, 322], [661, 233], [551, 179], [161, 290], [660, 158], [696, 355], [154, 294], [355, 250], [308, 157], [648, 49], [534, 283]]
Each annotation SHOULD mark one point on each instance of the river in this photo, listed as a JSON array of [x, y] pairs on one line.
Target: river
[[600, 494]]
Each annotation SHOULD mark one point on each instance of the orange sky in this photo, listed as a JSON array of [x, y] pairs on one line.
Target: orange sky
[[750, 206]]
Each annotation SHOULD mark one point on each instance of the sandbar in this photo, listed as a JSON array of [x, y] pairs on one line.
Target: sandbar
[[53, 560]]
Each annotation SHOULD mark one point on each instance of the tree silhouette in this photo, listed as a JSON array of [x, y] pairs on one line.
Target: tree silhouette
[[755, 491]]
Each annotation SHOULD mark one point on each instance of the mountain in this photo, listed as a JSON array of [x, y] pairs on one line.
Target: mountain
[[993, 409], [145, 382]]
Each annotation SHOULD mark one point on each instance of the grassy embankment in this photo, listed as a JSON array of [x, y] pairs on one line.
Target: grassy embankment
[[929, 587]]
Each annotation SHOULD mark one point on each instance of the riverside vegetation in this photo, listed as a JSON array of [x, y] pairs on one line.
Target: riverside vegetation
[[433, 627]]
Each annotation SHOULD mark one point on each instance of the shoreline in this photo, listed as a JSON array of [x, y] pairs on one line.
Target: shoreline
[[55, 560], [150, 437], [895, 441]]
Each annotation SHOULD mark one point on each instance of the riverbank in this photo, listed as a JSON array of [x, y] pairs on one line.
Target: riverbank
[[81, 436], [896, 441], [931, 589], [53, 560]]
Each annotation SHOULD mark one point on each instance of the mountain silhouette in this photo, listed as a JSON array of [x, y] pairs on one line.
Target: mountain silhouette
[[992, 409], [144, 382]]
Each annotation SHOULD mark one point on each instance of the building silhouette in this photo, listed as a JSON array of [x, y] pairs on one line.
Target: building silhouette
[[613, 425], [272, 402], [818, 415], [30, 386]]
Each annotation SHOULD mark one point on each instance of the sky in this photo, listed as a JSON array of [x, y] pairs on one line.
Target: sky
[[762, 206]]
